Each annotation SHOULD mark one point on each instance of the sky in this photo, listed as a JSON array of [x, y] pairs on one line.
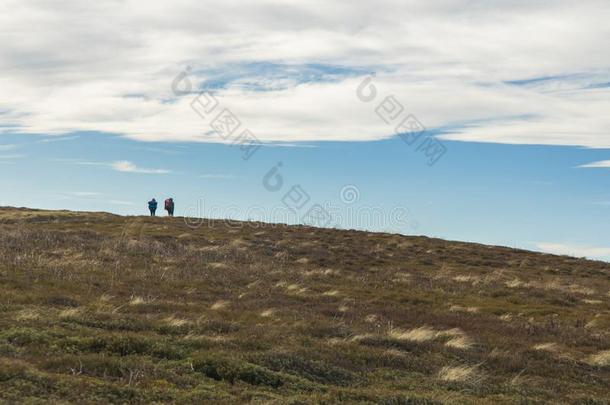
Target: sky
[[466, 120]]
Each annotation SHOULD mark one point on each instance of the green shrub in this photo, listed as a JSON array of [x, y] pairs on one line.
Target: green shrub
[[312, 370], [61, 301], [110, 323], [7, 349], [25, 337], [10, 370], [224, 369], [91, 365], [404, 400], [124, 345], [217, 326]]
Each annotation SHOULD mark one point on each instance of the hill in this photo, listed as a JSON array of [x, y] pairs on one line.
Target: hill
[[98, 308]]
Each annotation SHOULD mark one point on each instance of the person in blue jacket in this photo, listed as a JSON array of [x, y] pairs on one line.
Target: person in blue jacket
[[152, 206]]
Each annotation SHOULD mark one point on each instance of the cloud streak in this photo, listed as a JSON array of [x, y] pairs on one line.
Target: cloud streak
[[603, 164], [590, 252], [90, 196], [124, 166], [83, 193], [129, 167]]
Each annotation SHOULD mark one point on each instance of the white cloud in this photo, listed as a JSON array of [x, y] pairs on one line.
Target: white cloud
[[129, 167], [119, 202], [288, 145], [79, 162], [600, 164], [90, 196], [575, 250], [119, 166], [7, 146], [59, 139], [83, 193], [11, 157], [453, 63]]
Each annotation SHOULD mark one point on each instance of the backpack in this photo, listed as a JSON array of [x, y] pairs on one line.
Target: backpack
[[169, 204]]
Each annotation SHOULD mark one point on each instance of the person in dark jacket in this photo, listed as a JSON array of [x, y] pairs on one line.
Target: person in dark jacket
[[169, 206], [152, 206]]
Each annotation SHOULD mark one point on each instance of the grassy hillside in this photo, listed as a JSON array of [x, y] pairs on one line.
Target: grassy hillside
[[100, 308]]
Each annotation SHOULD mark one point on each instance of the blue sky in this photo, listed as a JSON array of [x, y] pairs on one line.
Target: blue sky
[[533, 197], [469, 120]]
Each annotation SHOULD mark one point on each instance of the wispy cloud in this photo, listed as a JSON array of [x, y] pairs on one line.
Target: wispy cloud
[[11, 157], [80, 162], [590, 252], [59, 139], [129, 167], [83, 193], [120, 81], [7, 146], [124, 166], [604, 164], [91, 197], [287, 145]]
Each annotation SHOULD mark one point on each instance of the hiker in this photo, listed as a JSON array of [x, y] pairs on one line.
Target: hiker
[[169, 206], [152, 206]]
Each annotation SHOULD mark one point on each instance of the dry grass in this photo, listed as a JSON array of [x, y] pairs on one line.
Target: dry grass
[[467, 279], [137, 301], [419, 335], [105, 297], [267, 313], [460, 342], [218, 305], [372, 318], [175, 322], [451, 332], [28, 314], [96, 308], [68, 313], [331, 293], [497, 353], [601, 359], [593, 302], [460, 308], [462, 374], [514, 283], [547, 347], [402, 278]]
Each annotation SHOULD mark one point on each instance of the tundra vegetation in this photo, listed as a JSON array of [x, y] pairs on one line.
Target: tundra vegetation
[[97, 308]]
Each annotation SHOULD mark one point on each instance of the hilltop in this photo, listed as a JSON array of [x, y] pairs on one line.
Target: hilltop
[[99, 308]]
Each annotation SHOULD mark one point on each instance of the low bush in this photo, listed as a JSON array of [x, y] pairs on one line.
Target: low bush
[[124, 345], [231, 370], [312, 370], [25, 337]]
